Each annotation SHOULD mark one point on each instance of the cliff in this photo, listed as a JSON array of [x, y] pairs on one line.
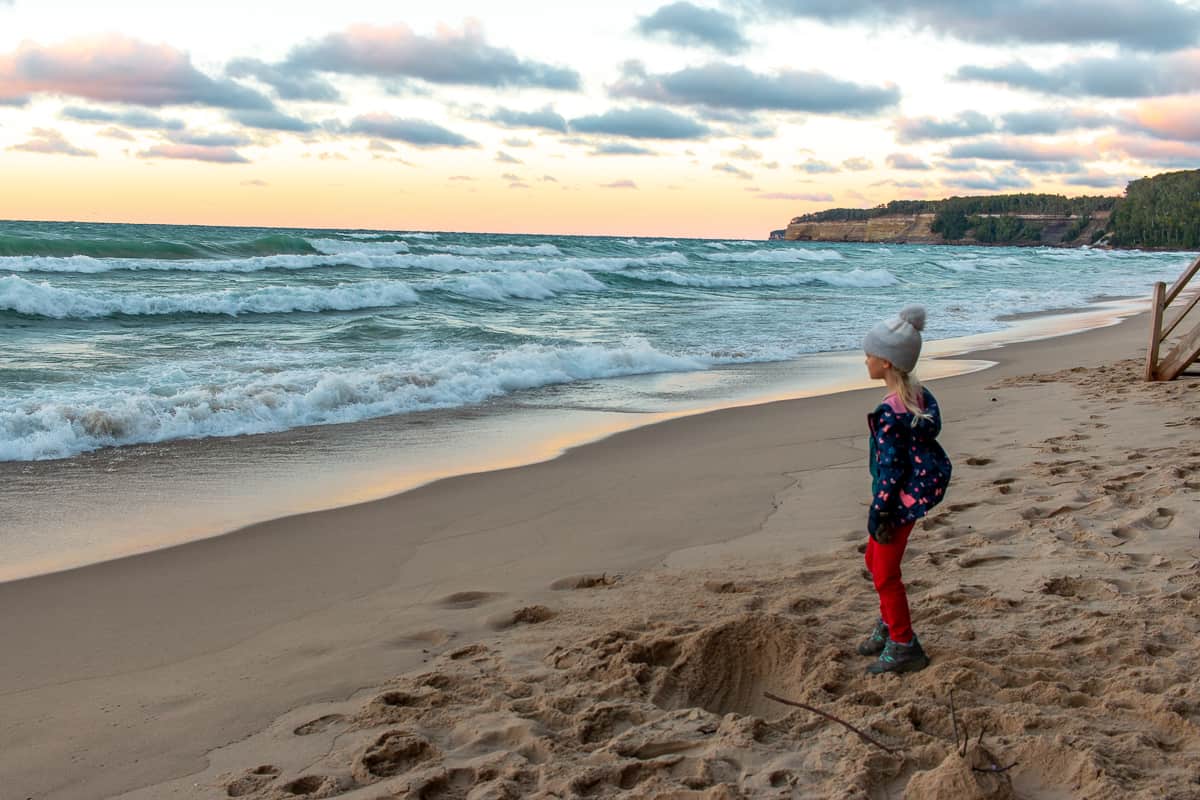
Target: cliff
[[1060, 230]]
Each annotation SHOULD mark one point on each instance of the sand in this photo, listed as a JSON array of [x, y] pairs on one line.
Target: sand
[[606, 624]]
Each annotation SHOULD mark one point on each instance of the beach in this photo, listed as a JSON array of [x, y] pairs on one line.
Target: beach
[[606, 622]]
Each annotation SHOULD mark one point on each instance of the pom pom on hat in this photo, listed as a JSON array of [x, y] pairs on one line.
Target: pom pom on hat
[[914, 315], [898, 339]]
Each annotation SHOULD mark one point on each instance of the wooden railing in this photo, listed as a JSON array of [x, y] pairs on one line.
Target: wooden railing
[[1187, 349]]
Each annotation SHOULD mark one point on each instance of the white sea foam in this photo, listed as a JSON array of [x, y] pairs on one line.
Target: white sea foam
[[497, 249], [526, 285], [45, 300], [340, 246], [649, 242], [225, 403], [781, 256], [857, 278]]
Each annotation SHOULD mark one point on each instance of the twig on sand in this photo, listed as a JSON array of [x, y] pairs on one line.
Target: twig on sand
[[832, 718], [994, 768], [962, 749]]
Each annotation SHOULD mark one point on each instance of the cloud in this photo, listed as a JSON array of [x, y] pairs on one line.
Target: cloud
[[15, 100], [416, 132], [1010, 149], [1122, 76], [516, 141], [510, 176], [967, 123], [737, 172], [745, 154], [461, 178], [622, 184], [1053, 120], [117, 133], [621, 149], [211, 139], [687, 24], [857, 164], [191, 152], [733, 86], [1145, 25], [119, 69], [549, 179], [905, 161], [50, 142], [1005, 179], [906, 184], [518, 185], [505, 158], [1099, 180], [380, 146], [288, 84], [818, 197], [1156, 151], [815, 167], [142, 120], [546, 118], [448, 57], [641, 123], [271, 120], [1168, 118], [255, 182]]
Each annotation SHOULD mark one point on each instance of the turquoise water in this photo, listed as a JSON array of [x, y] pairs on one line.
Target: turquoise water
[[122, 334]]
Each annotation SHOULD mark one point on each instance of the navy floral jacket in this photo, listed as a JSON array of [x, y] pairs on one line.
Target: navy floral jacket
[[909, 469]]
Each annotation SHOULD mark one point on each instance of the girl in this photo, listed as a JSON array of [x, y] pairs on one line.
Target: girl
[[909, 472]]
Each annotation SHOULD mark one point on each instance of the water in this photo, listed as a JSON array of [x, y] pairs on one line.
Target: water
[[128, 334]]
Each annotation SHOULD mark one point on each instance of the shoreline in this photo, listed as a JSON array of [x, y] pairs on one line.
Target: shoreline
[[357, 454], [207, 642]]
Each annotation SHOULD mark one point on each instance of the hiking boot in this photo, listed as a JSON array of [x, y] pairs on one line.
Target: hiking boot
[[873, 645], [898, 657]]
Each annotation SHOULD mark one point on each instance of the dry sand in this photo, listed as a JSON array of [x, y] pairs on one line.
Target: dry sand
[[606, 624]]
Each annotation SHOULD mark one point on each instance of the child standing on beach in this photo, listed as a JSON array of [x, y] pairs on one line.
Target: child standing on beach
[[909, 472]]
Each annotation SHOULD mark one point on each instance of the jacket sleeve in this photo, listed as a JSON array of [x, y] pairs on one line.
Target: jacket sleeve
[[891, 467]]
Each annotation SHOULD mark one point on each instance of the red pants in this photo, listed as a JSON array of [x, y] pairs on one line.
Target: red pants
[[883, 562]]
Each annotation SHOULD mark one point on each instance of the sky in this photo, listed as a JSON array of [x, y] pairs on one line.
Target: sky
[[708, 119]]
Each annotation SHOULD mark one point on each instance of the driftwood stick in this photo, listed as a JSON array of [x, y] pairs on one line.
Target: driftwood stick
[[832, 718], [994, 768]]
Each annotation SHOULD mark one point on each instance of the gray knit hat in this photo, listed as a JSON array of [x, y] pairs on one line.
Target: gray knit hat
[[898, 339]]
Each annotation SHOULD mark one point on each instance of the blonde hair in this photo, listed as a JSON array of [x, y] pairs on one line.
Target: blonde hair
[[908, 389]]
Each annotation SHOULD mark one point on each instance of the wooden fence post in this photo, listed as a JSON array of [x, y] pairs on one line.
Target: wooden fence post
[[1156, 316]]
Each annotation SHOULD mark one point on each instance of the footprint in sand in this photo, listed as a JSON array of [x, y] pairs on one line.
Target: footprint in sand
[[392, 753], [978, 461], [309, 785], [252, 781], [979, 559], [583, 581], [462, 600], [527, 615], [1159, 518], [319, 724]]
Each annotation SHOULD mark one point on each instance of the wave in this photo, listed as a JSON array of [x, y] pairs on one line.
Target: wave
[[12, 245], [340, 246], [498, 249], [649, 242], [436, 262], [233, 404], [525, 285], [776, 256], [856, 278], [43, 300]]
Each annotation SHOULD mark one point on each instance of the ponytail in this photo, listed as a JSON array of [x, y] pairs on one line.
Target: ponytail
[[911, 395]]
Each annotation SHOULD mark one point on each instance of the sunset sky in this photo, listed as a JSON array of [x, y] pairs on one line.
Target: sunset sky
[[717, 119]]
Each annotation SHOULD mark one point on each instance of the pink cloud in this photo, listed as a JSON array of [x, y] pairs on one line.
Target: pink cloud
[[51, 142], [1143, 148], [117, 69], [1169, 117], [194, 152]]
